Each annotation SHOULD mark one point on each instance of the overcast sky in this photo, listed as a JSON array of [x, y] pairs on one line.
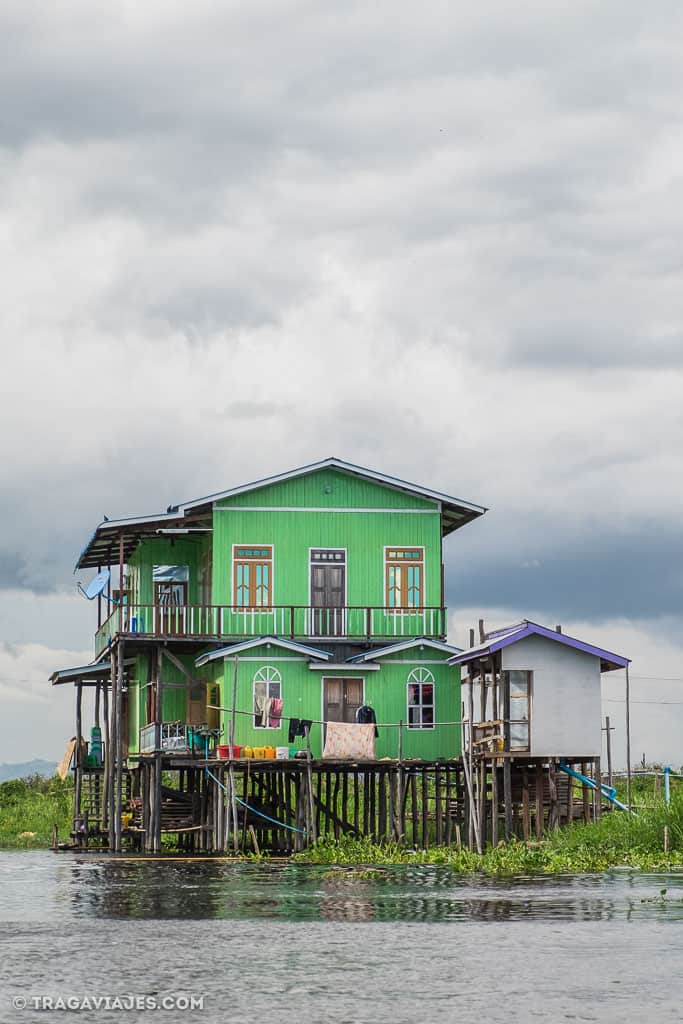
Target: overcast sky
[[439, 241]]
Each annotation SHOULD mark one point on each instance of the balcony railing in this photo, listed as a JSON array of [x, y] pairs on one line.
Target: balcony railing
[[300, 622]]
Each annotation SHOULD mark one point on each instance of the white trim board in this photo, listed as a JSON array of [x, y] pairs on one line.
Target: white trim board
[[326, 666], [325, 508]]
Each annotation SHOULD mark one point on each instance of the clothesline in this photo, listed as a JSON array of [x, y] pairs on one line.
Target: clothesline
[[314, 721]]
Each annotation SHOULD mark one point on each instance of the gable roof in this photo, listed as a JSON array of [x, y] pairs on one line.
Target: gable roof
[[246, 645], [422, 641], [498, 639], [102, 548]]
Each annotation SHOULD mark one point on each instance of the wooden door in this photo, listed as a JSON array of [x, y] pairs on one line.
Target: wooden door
[[196, 704], [341, 699], [327, 599]]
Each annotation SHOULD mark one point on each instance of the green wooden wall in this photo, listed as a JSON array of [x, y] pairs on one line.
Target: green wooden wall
[[364, 534]]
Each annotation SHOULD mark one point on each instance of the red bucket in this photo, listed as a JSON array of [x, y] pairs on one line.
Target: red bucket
[[223, 751]]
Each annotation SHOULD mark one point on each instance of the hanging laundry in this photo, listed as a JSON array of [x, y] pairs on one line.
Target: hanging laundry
[[365, 715], [297, 727], [262, 711], [345, 741], [275, 714]]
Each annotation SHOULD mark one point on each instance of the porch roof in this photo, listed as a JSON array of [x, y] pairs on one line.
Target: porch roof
[[233, 649], [498, 639], [86, 675], [420, 641]]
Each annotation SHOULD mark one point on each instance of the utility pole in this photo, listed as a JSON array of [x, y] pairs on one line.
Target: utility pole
[[608, 729]]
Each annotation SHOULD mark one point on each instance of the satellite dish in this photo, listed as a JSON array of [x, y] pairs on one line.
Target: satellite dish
[[96, 586]]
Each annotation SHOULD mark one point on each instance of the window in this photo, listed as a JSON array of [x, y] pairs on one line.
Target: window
[[267, 698], [252, 576], [404, 578], [518, 685], [170, 585], [420, 699]]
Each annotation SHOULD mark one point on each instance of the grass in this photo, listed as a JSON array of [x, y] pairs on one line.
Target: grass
[[617, 840], [30, 807]]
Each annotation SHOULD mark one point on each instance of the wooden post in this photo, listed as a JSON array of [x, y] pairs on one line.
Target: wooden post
[[539, 801], [507, 796], [585, 793], [231, 768], [494, 803], [309, 776], [526, 816], [107, 755], [598, 790], [113, 743], [119, 745], [608, 732], [628, 740], [78, 762]]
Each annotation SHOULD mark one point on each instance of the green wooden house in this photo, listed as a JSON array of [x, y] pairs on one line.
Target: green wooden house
[[313, 592]]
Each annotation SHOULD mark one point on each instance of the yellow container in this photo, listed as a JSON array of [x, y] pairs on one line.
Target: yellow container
[[259, 753], [270, 753], [247, 751]]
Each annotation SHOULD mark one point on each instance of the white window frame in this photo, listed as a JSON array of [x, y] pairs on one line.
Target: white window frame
[[271, 676], [420, 676]]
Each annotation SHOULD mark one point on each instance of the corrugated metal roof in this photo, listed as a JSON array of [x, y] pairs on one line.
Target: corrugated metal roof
[[245, 645], [85, 673], [499, 639], [405, 645], [103, 546]]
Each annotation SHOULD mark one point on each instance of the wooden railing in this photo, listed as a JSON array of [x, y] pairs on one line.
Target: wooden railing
[[292, 621]]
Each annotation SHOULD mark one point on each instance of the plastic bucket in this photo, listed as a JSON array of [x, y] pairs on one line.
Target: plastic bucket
[[223, 751], [282, 753]]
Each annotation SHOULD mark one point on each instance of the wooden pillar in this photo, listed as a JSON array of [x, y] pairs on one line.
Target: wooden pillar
[[598, 790], [119, 745], [539, 801], [494, 803], [507, 796], [78, 762], [113, 743], [585, 793], [526, 817], [107, 756]]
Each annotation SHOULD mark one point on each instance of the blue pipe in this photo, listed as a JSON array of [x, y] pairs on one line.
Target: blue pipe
[[667, 786], [609, 792]]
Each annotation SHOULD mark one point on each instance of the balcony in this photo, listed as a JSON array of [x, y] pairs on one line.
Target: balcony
[[297, 622]]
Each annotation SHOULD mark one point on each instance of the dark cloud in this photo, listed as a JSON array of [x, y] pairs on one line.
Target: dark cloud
[[574, 573]]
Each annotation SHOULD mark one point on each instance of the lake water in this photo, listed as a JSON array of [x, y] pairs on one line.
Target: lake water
[[287, 943]]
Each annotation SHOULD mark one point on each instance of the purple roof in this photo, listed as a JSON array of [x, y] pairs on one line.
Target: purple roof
[[501, 638]]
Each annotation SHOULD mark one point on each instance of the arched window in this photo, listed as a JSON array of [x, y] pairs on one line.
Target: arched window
[[267, 698], [420, 699]]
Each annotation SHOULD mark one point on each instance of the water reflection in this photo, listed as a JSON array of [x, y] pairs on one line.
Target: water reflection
[[288, 892]]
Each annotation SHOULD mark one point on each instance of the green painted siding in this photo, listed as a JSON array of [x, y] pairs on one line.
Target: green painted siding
[[328, 488], [302, 694], [293, 534], [163, 551]]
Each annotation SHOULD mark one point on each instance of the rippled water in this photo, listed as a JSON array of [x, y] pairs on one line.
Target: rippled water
[[287, 942]]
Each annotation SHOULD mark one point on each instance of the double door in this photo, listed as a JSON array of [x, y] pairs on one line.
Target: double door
[[328, 592]]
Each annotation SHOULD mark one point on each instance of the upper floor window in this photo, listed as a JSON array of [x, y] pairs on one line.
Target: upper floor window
[[404, 578], [252, 575], [420, 699]]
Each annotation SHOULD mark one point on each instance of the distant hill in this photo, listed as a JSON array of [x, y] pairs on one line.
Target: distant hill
[[21, 770]]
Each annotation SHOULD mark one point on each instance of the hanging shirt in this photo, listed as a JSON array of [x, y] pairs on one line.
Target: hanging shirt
[[365, 715]]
